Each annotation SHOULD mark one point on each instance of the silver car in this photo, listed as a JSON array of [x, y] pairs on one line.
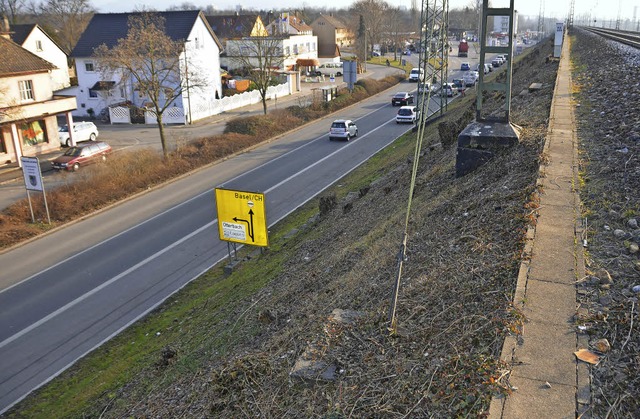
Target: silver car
[[343, 129]]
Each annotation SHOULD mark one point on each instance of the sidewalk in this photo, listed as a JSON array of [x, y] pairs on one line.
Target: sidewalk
[[547, 380]]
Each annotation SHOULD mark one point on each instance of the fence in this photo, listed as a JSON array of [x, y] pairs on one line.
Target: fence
[[175, 115]]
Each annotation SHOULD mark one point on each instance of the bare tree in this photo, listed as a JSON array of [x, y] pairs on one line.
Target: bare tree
[[64, 20], [151, 61], [259, 57], [11, 9], [374, 13], [396, 30]]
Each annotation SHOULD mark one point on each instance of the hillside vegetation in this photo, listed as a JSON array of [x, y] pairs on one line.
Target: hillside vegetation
[[301, 329]]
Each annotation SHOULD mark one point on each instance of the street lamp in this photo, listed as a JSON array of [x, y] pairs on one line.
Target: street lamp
[[186, 71]]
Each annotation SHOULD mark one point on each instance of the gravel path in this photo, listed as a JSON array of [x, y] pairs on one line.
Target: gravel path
[[607, 75]]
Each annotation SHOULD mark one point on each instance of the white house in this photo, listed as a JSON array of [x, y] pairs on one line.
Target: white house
[[200, 57], [32, 38]]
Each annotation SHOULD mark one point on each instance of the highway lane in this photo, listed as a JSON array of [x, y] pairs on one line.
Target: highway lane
[[70, 291]]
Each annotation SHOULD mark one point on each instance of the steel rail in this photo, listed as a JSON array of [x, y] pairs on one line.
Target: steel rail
[[626, 37]]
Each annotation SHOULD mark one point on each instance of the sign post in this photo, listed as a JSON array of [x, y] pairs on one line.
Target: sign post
[[33, 182]]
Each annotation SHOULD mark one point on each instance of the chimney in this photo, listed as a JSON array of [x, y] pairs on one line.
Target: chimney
[[5, 31]]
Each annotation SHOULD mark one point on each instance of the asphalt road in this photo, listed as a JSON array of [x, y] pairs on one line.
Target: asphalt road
[[65, 294]]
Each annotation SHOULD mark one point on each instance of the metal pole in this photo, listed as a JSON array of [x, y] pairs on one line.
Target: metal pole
[[186, 70]]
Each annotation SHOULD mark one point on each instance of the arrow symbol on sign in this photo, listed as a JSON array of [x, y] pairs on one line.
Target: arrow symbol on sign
[[249, 223]]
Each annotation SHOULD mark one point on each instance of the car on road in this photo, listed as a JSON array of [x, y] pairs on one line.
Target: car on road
[[402, 99], [82, 131], [465, 67], [496, 62], [343, 129], [408, 114], [416, 75], [448, 90], [470, 78], [81, 155], [458, 84], [425, 88], [376, 53]]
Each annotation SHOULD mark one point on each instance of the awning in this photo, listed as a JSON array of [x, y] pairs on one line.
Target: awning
[[103, 85], [307, 62]]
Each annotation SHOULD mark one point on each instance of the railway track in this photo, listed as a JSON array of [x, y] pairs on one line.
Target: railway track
[[626, 37]]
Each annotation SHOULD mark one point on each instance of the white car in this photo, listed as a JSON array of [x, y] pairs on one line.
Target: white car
[[470, 78], [343, 129], [408, 114], [82, 131], [416, 74], [425, 88]]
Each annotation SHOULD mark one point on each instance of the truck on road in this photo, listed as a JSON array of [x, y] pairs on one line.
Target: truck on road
[[463, 48]]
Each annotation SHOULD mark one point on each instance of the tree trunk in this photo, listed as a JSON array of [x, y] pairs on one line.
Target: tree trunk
[[264, 103], [163, 140]]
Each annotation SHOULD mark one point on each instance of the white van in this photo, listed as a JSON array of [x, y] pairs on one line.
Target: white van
[[417, 74], [330, 69]]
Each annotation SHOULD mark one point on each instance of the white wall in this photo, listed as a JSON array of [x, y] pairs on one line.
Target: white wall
[[203, 57], [51, 53]]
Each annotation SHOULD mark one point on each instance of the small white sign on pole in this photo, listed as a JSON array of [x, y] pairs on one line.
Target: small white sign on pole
[[33, 182], [32, 173]]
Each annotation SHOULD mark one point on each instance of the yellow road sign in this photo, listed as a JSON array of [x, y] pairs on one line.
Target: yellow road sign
[[242, 217]]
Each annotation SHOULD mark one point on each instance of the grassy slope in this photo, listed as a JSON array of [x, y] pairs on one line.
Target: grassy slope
[[225, 346]]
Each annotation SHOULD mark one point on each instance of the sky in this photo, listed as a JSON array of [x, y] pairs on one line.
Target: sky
[[602, 9]]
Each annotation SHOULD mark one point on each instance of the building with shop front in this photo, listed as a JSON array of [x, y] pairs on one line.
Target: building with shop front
[[28, 105]]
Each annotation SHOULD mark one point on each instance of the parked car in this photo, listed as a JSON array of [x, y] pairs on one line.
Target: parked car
[[330, 69], [408, 114], [402, 99], [496, 62], [375, 53], [416, 74], [82, 131], [465, 67], [343, 129], [81, 155]]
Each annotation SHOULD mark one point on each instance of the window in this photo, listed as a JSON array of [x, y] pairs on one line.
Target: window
[[287, 51], [89, 67], [33, 133], [295, 49], [38, 45], [26, 90]]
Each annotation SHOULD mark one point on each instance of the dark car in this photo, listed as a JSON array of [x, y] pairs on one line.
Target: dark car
[[81, 155], [402, 99], [465, 67]]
